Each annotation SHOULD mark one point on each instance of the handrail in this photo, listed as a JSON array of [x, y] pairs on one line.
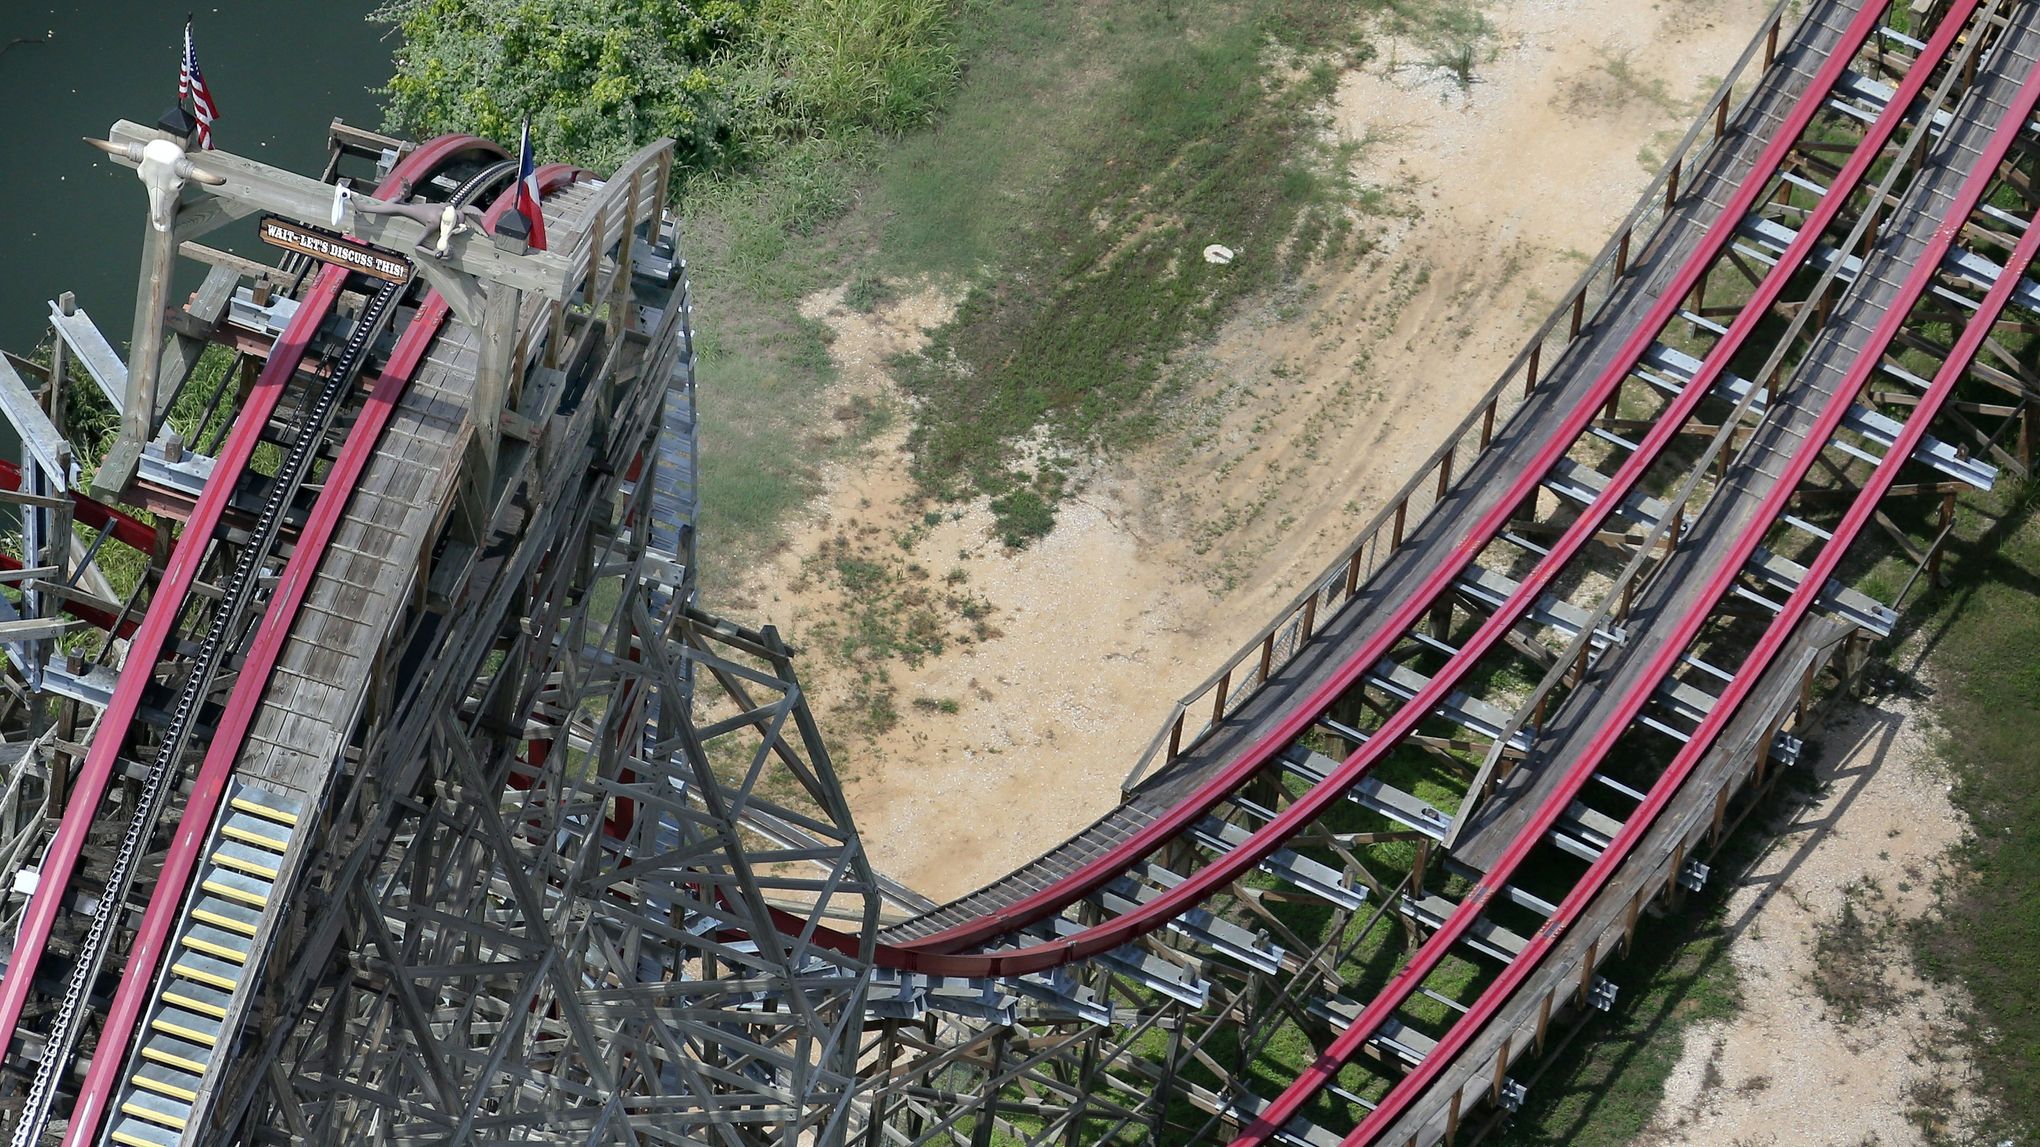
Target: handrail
[[1343, 576]]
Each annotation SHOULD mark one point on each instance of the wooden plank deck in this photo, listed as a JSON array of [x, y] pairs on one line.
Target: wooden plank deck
[[371, 567]]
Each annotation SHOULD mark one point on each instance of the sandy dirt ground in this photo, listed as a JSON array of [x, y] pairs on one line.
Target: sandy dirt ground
[[1301, 417], [1790, 1068]]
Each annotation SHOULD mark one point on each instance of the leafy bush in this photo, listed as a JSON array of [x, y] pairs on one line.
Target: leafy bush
[[733, 81]]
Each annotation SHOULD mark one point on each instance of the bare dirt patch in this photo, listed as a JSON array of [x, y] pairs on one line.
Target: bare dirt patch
[[1841, 1042], [1286, 434]]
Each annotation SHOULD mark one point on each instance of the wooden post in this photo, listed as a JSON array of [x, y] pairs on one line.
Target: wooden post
[[1176, 736], [1445, 474], [1530, 371], [598, 238], [497, 361], [1402, 509], [1940, 539], [1309, 619], [60, 369], [1267, 655], [1771, 43], [2027, 417], [874, 1135], [1622, 254], [1543, 1022], [1579, 311], [1487, 424], [1352, 574], [622, 316], [981, 1133], [1501, 1070], [138, 420], [1672, 185], [1218, 699], [556, 336]]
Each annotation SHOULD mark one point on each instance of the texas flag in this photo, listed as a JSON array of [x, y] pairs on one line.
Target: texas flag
[[527, 190]]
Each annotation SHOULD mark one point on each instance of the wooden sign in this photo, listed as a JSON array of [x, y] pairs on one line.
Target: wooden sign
[[330, 248]]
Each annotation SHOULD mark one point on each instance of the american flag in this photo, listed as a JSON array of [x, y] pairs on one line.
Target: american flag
[[191, 84]]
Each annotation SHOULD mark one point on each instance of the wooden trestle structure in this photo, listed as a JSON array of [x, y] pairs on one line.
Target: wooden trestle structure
[[414, 799]]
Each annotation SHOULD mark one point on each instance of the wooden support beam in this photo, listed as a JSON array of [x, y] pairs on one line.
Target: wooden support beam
[[260, 187]]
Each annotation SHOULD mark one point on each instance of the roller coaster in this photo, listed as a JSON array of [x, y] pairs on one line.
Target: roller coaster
[[411, 796]]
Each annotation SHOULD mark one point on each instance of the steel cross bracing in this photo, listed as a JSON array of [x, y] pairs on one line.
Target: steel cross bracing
[[528, 926], [571, 965], [165, 610], [564, 965]]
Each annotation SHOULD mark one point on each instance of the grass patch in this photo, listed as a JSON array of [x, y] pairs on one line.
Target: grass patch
[[1199, 142], [1979, 641], [892, 610], [1851, 951]]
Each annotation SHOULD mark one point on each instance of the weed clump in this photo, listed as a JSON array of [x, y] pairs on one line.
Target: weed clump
[[1022, 516]]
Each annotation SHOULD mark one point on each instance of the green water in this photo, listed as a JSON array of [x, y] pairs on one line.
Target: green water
[[70, 220]]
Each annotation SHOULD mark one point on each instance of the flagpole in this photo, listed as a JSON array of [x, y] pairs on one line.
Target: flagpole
[[184, 53]]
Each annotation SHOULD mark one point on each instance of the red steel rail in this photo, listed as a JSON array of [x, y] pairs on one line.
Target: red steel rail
[[1921, 276], [126, 527], [159, 623], [137, 979], [938, 953]]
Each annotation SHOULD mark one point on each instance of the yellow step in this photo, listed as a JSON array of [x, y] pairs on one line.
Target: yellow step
[[158, 1055], [182, 1032], [212, 949], [241, 864], [195, 1004], [272, 843], [220, 888], [218, 921], [264, 811], [160, 1118], [164, 1087], [223, 983]]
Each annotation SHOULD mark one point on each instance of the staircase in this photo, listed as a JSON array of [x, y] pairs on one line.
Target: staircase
[[200, 995]]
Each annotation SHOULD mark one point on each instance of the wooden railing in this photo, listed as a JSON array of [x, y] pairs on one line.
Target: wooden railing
[[1205, 706]]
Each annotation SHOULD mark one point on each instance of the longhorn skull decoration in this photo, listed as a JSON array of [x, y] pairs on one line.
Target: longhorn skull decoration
[[164, 169]]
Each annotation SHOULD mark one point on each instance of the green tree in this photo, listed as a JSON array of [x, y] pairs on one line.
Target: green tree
[[596, 77], [733, 81]]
